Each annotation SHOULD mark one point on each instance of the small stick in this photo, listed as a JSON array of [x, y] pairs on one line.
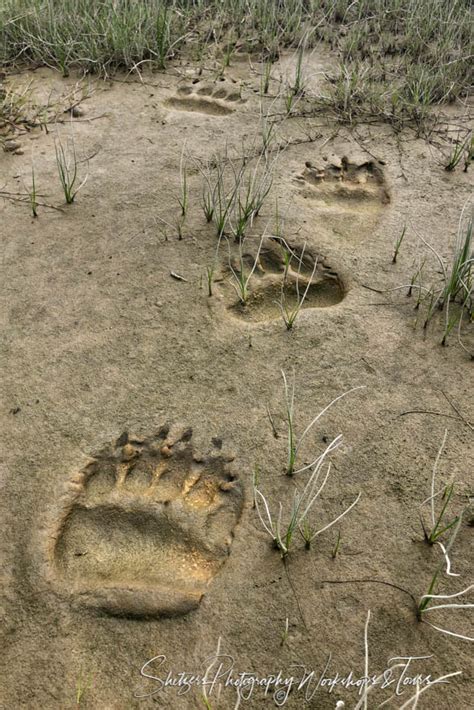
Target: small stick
[[274, 429], [370, 581], [375, 290], [78, 120], [177, 276], [428, 411], [11, 196]]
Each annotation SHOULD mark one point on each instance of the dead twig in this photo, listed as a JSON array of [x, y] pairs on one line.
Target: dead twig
[[461, 416], [276, 435], [18, 197], [437, 414], [177, 276], [371, 581], [78, 120]]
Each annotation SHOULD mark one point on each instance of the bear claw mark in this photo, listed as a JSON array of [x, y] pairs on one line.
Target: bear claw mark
[[219, 99], [147, 525], [341, 180]]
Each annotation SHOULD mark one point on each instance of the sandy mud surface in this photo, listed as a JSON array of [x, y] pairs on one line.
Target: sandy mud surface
[[136, 408]]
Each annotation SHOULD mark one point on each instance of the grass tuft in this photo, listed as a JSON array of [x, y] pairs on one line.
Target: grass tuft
[[398, 58], [67, 164]]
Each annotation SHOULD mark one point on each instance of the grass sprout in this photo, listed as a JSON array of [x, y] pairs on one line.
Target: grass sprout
[[210, 270], [32, 193], [462, 149], [337, 546], [297, 86], [441, 523], [217, 197], [235, 189], [252, 187], [282, 532], [266, 76], [209, 674], [241, 274], [210, 278], [398, 244], [183, 198], [289, 310], [67, 164], [453, 295], [295, 441], [425, 602], [207, 203], [426, 606], [83, 685]]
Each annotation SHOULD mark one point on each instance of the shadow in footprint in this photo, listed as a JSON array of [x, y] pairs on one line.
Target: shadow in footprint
[[219, 99], [341, 180], [280, 283], [265, 302]]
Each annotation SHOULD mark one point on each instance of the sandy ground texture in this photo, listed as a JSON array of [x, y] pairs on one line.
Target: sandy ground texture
[[135, 409]]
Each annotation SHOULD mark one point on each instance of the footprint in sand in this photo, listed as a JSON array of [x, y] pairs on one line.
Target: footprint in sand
[[346, 197], [215, 99], [147, 526], [343, 183], [281, 276]]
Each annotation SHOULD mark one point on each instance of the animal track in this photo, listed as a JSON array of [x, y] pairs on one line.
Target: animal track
[[218, 99], [275, 282], [147, 525], [342, 181]]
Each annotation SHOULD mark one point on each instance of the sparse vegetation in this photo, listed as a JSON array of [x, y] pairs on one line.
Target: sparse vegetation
[[425, 606], [83, 685], [32, 194], [137, 332], [67, 164], [282, 531], [234, 191], [425, 602], [462, 149], [398, 244], [392, 64], [451, 295], [295, 441], [290, 304], [242, 272], [440, 522], [183, 198]]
